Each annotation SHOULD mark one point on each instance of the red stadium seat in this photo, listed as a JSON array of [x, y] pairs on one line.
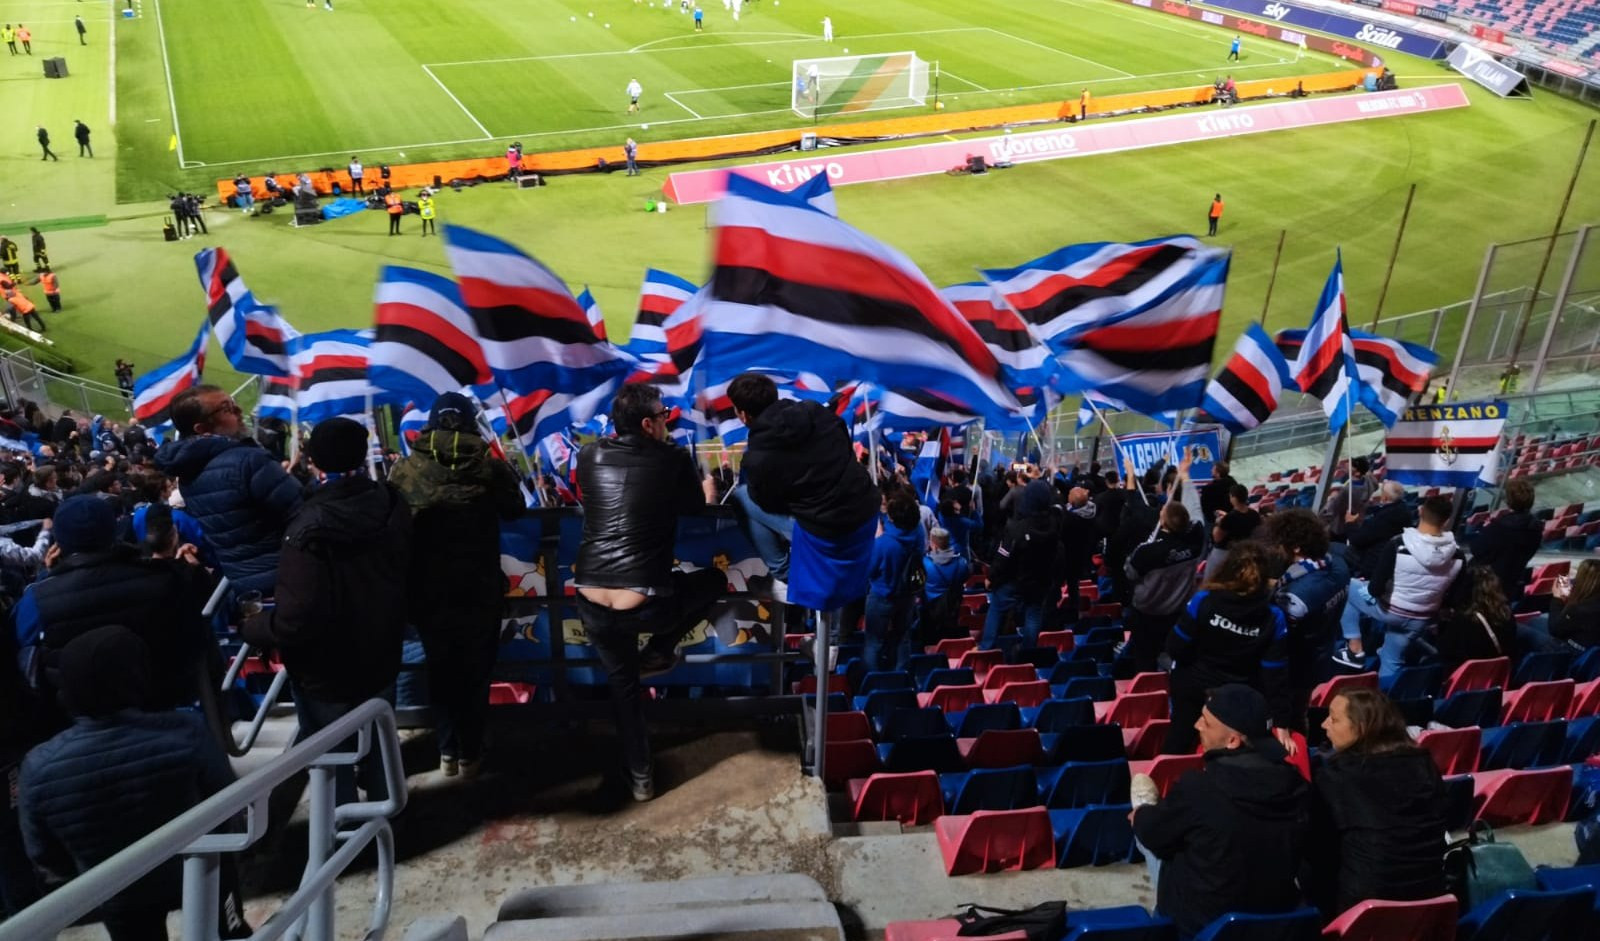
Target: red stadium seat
[[1132, 710], [912, 798], [1585, 700], [1537, 702], [939, 929], [509, 694], [1478, 675], [1428, 920], [952, 698], [1004, 673], [837, 683], [953, 647], [997, 748], [1508, 798], [980, 661], [843, 726], [1166, 769], [1027, 695], [848, 758], [1060, 640], [1145, 743], [996, 841], [1324, 693], [1455, 751], [1143, 683]]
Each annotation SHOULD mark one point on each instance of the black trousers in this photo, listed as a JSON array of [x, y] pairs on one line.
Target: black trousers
[[428, 226], [48, 153], [198, 220], [355, 185], [462, 644], [1211, 224], [55, 302], [1148, 636], [666, 620], [85, 149]]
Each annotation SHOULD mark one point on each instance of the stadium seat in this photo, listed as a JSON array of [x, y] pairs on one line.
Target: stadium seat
[[1585, 700], [1098, 688], [880, 704], [1143, 683], [1529, 915], [953, 698], [995, 841], [1093, 836], [509, 694], [1477, 675], [1507, 798], [1537, 702], [1063, 672], [954, 648], [1455, 751], [1133, 710], [1122, 923], [1054, 715], [1480, 707], [873, 682], [1062, 641], [1082, 783], [848, 725], [1031, 693], [1093, 653], [1040, 658], [837, 702], [1415, 682], [979, 719], [912, 798], [922, 664], [1586, 668], [1083, 743], [990, 789], [947, 676], [932, 752], [1460, 804], [1165, 770], [980, 661], [1552, 879], [1145, 743], [999, 676], [1324, 693], [845, 759], [808, 684], [1301, 925], [1582, 741], [901, 723], [938, 929], [1523, 745], [996, 748], [1427, 920]]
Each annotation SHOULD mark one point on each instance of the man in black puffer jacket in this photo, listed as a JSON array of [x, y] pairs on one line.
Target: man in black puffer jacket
[[1509, 541], [1026, 574], [633, 487], [1385, 517], [95, 581], [341, 589], [800, 465], [241, 495]]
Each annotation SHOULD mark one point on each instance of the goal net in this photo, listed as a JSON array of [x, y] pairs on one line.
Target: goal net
[[848, 84]]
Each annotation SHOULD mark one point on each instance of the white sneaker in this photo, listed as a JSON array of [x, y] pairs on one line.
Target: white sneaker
[[1143, 791]]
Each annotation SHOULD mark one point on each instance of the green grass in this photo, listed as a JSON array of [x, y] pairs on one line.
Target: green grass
[[277, 78]]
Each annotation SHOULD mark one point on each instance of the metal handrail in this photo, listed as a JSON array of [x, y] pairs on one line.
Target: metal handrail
[[192, 835]]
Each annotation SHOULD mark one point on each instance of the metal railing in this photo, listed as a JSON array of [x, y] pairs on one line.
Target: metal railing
[[308, 913]]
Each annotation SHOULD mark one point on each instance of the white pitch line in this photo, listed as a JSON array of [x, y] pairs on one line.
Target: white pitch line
[[464, 109], [1063, 52], [763, 32], [683, 106], [111, 44], [949, 74], [701, 48], [166, 66]]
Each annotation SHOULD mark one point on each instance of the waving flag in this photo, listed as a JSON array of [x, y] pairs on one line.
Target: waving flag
[[330, 375], [277, 400], [1154, 357], [817, 193], [659, 298], [1028, 365], [1324, 366], [591, 310], [1077, 286], [1388, 372], [537, 339], [425, 343], [1247, 390], [254, 336], [793, 285], [154, 391]]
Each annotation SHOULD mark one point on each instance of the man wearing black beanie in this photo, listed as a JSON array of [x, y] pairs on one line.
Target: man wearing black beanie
[[340, 594]]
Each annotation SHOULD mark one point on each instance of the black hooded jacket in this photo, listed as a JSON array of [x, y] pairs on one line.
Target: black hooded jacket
[[1029, 554], [800, 463], [1506, 545], [1230, 837], [341, 591], [1377, 829]]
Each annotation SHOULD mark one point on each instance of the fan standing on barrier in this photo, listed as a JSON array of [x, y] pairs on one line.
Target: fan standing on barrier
[[634, 486]]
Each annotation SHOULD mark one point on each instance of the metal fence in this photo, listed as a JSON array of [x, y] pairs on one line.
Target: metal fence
[[22, 376]]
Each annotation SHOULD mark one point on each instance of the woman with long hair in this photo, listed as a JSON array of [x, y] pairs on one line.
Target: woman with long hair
[[1230, 632], [1575, 609], [1481, 630], [1377, 809]]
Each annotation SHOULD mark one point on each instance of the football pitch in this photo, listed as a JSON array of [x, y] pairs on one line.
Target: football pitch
[[260, 82]]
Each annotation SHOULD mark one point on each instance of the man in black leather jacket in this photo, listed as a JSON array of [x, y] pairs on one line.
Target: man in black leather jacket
[[633, 488]]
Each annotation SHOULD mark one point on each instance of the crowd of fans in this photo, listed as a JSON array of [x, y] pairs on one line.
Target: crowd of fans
[[112, 545]]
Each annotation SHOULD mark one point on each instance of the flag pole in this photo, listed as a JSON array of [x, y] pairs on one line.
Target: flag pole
[[1394, 256], [372, 434], [1273, 278], [1116, 449], [872, 439]]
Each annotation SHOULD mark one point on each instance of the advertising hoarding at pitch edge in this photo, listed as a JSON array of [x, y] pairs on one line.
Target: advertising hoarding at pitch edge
[[1482, 68], [1362, 31]]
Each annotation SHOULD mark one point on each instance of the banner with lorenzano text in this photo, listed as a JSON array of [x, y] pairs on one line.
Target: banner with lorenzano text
[[1452, 445]]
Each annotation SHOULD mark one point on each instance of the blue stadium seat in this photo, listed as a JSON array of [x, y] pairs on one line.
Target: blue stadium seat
[[1097, 688], [1480, 707], [1554, 880], [1583, 741], [1004, 716], [880, 704], [837, 702], [1528, 915], [1103, 635], [922, 664], [1522, 745], [1041, 658], [1055, 715], [1416, 682], [1063, 671], [1084, 783], [1123, 923], [1093, 836], [1094, 653], [873, 682], [1459, 802], [853, 670], [1301, 925], [1083, 743], [989, 789], [902, 723], [1008, 644], [1542, 668], [935, 752], [1587, 666], [948, 676]]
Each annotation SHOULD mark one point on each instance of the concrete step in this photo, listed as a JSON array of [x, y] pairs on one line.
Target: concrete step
[[753, 921], [604, 898]]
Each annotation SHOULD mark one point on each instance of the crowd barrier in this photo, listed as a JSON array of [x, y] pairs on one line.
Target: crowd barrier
[[662, 153]]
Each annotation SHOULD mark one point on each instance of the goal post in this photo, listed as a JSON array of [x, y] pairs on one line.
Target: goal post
[[851, 84]]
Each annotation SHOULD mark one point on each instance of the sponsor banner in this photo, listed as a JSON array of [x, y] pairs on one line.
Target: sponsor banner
[[701, 186], [1482, 68], [1258, 28], [1407, 8], [1203, 441], [1565, 68], [1453, 445], [1352, 27], [1488, 32]]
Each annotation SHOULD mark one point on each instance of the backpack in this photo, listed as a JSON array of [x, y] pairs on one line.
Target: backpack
[[1043, 922], [913, 577]]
